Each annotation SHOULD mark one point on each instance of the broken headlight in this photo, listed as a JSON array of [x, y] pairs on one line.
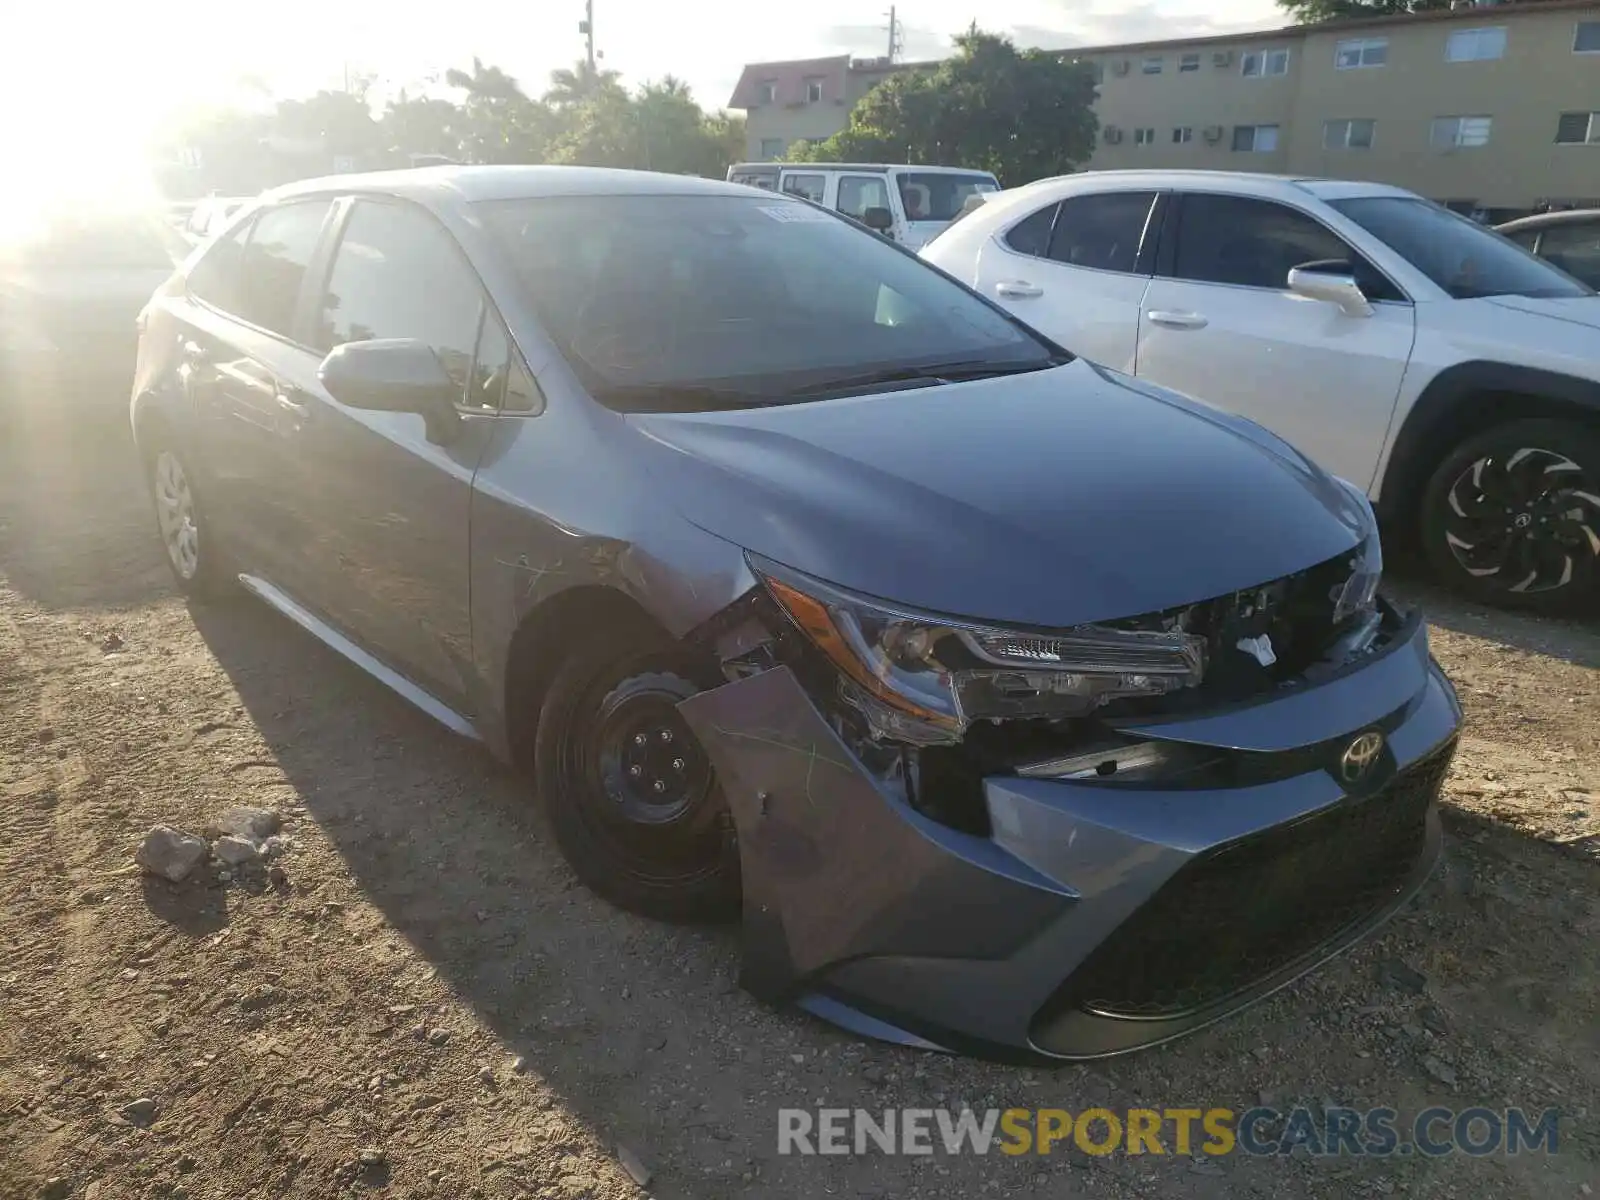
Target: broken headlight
[[1359, 593], [924, 677]]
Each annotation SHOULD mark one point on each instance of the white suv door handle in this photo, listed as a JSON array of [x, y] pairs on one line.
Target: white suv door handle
[[1019, 289], [1177, 320]]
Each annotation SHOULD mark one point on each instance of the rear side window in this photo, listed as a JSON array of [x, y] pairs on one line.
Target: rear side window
[[1102, 231], [1031, 235], [218, 278], [1575, 248], [398, 274], [281, 243], [1249, 242], [857, 193]]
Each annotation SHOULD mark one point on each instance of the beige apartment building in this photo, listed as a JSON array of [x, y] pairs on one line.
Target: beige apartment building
[[1491, 107]]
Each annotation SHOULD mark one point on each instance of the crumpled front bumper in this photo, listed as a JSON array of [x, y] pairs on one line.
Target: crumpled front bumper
[[1092, 920]]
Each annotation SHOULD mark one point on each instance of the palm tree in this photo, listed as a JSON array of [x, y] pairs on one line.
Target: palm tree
[[484, 83], [581, 83]]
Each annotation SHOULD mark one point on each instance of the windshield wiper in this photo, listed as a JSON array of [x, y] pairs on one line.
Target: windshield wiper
[[929, 373]]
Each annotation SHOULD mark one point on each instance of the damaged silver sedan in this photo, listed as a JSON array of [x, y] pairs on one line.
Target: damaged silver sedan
[[1021, 708]]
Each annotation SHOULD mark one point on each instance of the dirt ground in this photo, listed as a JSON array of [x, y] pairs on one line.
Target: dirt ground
[[430, 986]]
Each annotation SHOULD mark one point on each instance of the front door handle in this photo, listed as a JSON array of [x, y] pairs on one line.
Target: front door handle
[[1018, 289], [1176, 320], [293, 401]]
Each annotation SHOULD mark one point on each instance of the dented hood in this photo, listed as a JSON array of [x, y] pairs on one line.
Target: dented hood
[[1052, 498]]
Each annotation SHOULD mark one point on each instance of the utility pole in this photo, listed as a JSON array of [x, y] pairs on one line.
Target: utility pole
[[586, 27], [895, 35]]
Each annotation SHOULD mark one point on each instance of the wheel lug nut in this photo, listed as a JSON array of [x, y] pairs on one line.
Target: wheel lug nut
[[658, 786], [666, 735], [677, 764], [636, 771], [639, 739]]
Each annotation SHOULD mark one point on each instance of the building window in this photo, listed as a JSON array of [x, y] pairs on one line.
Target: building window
[[813, 91], [1258, 64], [1578, 129], [1476, 45], [1451, 132], [1144, 137], [1255, 139], [1348, 134], [1361, 52], [1182, 135], [769, 91], [771, 148], [1152, 66], [1586, 38], [1189, 62]]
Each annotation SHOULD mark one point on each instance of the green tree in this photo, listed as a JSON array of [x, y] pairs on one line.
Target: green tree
[[1313, 11], [500, 123], [341, 121], [1022, 114], [423, 125]]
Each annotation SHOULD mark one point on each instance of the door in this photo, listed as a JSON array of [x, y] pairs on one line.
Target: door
[[392, 506], [1219, 323], [1077, 271], [856, 193], [242, 350]]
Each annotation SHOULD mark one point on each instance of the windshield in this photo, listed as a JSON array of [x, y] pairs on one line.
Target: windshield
[[1461, 256], [938, 196], [711, 300]]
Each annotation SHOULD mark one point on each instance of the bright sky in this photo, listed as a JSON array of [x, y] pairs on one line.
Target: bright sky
[[117, 68]]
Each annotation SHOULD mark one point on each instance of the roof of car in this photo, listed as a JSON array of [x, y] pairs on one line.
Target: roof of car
[[1570, 216], [1256, 182], [472, 184]]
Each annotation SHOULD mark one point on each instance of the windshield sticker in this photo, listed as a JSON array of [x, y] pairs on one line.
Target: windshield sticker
[[794, 212]]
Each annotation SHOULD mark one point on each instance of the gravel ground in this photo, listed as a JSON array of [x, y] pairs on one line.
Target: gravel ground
[[425, 1004]]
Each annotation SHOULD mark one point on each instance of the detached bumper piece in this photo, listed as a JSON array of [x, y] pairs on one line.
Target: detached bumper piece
[[1091, 919]]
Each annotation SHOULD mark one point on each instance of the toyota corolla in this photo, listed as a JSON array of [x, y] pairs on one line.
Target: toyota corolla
[[1022, 708]]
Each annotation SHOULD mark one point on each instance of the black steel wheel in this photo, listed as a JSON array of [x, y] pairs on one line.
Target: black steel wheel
[[1512, 517], [631, 795]]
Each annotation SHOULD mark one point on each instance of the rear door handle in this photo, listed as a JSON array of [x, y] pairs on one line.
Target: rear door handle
[[193, 352], [1176, 320], [1018, 289]]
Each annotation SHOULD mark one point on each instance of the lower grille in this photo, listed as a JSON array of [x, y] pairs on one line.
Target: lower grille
[[1236, 915]]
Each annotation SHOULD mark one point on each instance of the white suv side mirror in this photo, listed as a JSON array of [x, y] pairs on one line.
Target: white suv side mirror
[[1334, 287]]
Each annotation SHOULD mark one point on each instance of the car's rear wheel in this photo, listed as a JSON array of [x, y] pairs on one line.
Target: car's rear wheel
[[631, 795], [1512, 517], [199, 563]]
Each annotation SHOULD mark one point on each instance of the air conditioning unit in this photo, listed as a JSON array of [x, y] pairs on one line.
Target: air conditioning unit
[[1113, 135], [1121, 67], [1212, 133], [1222, 58]]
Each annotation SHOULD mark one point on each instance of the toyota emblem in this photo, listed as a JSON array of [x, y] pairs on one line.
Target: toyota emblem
[[1359, 755]]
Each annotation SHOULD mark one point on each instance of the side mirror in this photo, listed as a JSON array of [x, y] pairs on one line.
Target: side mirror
[[394, 375], [879, 220], [1332, 283]]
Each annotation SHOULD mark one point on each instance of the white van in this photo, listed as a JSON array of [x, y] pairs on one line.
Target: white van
[[919, 201]]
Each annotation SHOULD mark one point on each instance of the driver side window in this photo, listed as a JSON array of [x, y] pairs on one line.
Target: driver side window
[[1247, 242]]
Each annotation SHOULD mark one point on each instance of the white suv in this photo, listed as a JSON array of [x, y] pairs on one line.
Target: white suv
[[1447, 371]]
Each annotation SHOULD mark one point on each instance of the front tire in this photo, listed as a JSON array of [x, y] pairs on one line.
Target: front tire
[[199, 564], [631, 796], [1512, 517]]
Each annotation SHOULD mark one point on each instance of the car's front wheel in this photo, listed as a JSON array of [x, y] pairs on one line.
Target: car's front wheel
[[1512, 517], [631, 795], [198, 562]]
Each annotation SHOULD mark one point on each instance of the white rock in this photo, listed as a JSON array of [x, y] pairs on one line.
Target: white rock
[[637, 1171], [235, 851], [242, 821], [171, 853]]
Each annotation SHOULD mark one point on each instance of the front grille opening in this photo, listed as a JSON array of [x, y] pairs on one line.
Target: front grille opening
[[1236, 915]]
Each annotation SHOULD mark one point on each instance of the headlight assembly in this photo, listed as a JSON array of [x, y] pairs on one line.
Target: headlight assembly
[[1359, 593], [924, 678]]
